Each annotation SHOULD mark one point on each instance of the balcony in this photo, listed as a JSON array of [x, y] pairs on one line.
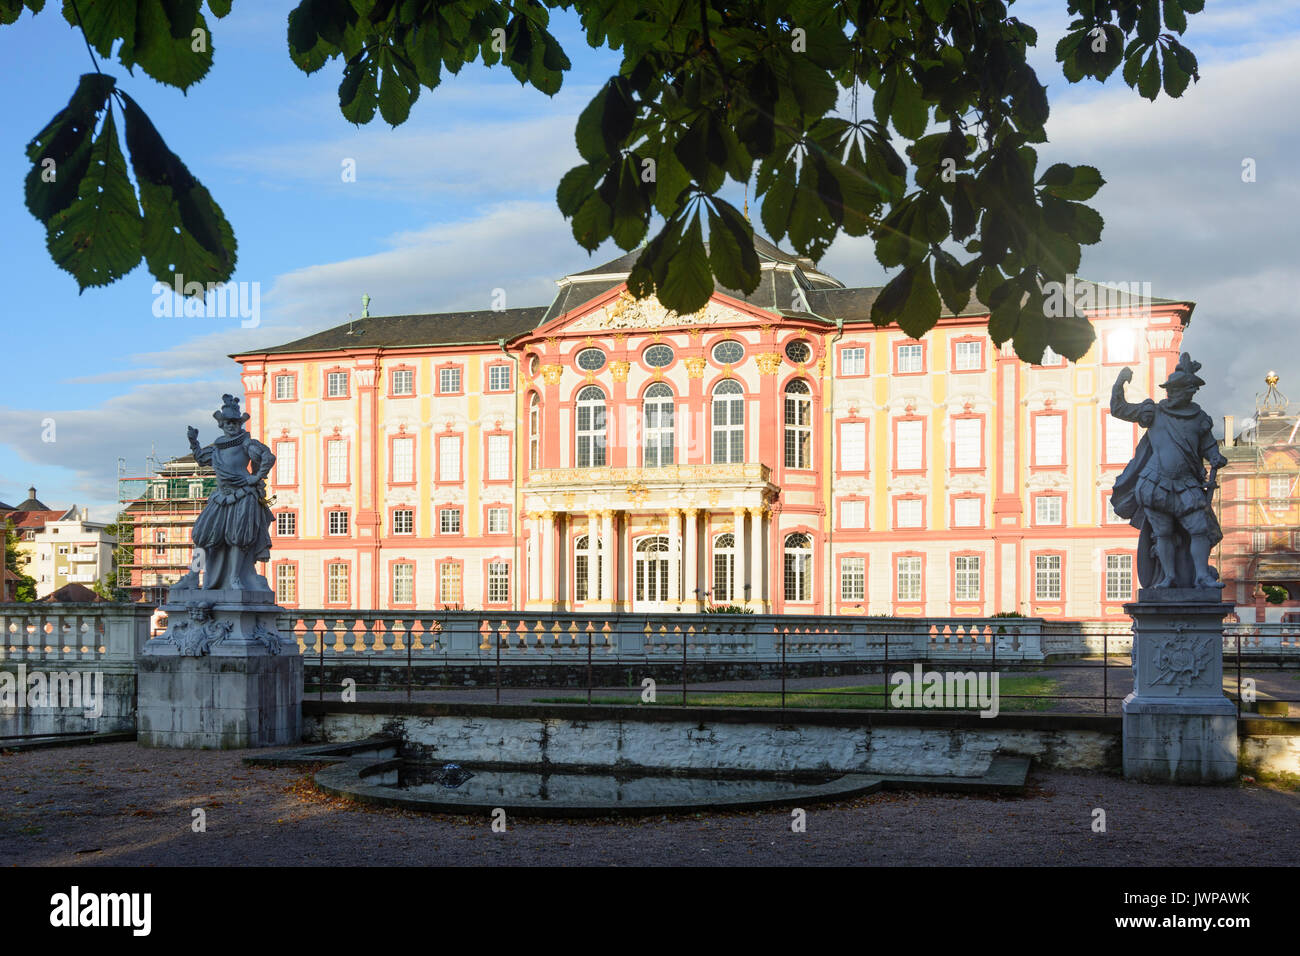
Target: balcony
[[744, 484]]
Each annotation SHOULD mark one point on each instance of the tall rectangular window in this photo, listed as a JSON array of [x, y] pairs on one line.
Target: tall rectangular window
[[286, 524], [968, 356], [798, 425], [498, 378], [336, 385], [403, 381], [403, 521], [449, 521], [449, 458], [448, 380], [336, 462], [286, 463], [909, 578], [1119, 577], [403, 584], [853, 513], [1047, 577], [285, 387], [910, 452], [403, 460], [967, 436], [1279, 489], [338, 522], [853, 446], [1048, 440], [498, 447], [338, 583], [966, 571], [909, 359], [449, 583], [160, 537], [853, 579], [1119, 440], [911, 512], [1047, 509], [498, 521], [498, 582], [286, 584], [966, 513], [853, 361]]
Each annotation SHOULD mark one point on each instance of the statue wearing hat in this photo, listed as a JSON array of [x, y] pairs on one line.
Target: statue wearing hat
[[234, 529], [1165, 491]]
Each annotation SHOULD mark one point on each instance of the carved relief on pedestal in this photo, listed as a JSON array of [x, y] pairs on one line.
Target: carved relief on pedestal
[[1180, 661]]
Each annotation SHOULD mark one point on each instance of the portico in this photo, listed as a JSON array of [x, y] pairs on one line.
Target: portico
[[673, 538]]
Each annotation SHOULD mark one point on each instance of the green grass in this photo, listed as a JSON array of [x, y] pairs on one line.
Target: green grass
[[868, 697]]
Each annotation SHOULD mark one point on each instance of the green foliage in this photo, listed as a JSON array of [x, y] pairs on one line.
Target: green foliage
[[707, 92], [26, 589], [727, 609], [1274, 594], [95, 230], [106, 587]]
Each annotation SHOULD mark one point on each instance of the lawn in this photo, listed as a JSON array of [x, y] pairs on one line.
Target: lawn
[[869, 697]]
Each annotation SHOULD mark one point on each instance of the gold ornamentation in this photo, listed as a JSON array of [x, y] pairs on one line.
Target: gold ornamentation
[[569, 498], [552, 373], [659, 375], [637, 492], [695, 366], [715, 495], [695, 333], [821, 367], [618, 369], [589, 341], [552, 341], [768, 363]]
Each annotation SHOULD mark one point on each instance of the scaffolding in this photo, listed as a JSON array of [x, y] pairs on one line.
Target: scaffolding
[[156, 511], [1259, 508]]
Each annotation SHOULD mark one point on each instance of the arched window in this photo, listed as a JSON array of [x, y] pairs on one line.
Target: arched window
[[591, 427], [534, 431], [724, 569], [728, 422], [798, 425], [651, 570], [798, 567], [582, 564], [657, 425]]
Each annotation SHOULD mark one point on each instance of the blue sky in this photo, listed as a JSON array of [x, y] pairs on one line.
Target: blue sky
[[460, 200]]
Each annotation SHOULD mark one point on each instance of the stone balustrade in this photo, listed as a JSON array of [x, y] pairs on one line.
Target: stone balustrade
[[104, 634]]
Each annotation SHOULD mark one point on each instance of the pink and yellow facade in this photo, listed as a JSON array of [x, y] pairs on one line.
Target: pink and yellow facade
[[606, 454]]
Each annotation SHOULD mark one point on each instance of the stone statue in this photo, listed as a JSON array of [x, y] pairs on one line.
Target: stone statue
[[234, 529], [1165, 492]]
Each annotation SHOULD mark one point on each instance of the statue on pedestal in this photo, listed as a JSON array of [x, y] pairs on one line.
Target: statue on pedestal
[[1165, 491], [234, 529]]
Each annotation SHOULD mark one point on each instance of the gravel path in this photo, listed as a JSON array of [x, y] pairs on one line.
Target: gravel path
[[120, 804]]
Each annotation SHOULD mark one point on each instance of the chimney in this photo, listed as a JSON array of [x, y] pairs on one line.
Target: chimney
[[1228, 436], [31, 492]]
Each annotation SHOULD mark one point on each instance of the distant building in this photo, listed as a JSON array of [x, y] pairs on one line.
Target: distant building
[[156, 514], [774, 450], [60, 546], [1259, 507]]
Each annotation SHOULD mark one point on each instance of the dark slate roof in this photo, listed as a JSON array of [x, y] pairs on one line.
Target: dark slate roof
[[396, 331], [4, 507], [33, 504]]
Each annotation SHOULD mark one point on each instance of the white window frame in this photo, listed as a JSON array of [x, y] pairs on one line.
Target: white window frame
[[403, 382], [853, 579], [909, 578], [967, 572], [589, 428], [728, 416], [798, 425], [853, 360]]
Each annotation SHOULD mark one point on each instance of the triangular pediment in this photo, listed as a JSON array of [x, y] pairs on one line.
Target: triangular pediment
[[623, 312]]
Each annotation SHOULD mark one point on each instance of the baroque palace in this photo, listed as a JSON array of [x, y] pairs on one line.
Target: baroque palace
[[774, 451]]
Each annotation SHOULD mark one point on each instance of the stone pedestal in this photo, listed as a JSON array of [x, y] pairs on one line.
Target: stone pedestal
[[222, 677], [1178, 725]]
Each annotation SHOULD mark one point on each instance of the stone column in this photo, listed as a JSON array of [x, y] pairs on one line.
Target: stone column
[[595, 559], [758, 591], [548, 558], [1178, 725], [739, 595], [535, 559], [674, 555], [692, 576], [609, 561]]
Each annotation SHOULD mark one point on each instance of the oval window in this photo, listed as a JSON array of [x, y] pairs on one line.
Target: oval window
[[798, 352], [657, 356], [591, 360], [728, 353]]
